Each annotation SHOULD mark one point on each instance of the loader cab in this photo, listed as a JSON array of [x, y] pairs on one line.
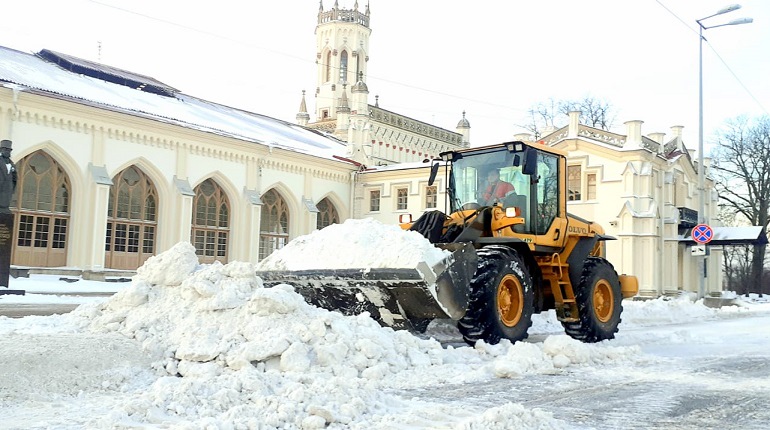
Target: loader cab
[[532, 172]]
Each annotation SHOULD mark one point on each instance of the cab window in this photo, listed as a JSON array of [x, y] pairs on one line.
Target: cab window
[[547, 191]]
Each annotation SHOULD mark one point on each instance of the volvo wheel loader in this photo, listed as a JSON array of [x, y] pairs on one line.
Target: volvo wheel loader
[[511, 253]]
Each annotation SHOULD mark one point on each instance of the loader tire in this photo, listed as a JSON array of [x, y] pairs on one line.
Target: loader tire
[[501, 298], [598, 298]]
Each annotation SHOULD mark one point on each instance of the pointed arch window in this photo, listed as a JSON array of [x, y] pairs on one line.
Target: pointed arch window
[[211, 222], [41, 205], [131, 220], [274, 227], [328, 71], [343, 67], [327, 214]]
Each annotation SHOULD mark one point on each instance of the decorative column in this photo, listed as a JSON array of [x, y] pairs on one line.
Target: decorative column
[[93, 267], [185, 207]]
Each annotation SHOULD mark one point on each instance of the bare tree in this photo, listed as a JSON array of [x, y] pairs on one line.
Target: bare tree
[[737, 265], [541, 117], [736, 260], [552, 113], [594, 112], [742, 173]]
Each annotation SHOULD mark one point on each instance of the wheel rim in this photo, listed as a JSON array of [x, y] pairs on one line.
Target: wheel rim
[[603, 301], [510, 300]]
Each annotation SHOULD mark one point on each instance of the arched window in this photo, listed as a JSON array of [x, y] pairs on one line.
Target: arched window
[[328, 72], [131, 220], [343, 67], [327, 214], [211, 222], [41, 205], [274, 227]]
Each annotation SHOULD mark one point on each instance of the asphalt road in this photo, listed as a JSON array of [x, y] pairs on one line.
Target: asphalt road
[[18, 310]]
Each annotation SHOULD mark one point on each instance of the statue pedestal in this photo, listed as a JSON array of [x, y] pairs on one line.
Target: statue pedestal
[[6, 247]]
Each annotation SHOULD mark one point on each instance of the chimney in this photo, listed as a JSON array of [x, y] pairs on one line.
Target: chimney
[[634, 133], [677, 130], [524, 137], [574, 123], [658, 137]]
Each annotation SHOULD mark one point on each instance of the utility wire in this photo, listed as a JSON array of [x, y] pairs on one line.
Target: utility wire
[[230, 39], [729, 69]]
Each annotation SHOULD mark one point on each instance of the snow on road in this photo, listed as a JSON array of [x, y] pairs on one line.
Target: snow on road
[[190, 346]]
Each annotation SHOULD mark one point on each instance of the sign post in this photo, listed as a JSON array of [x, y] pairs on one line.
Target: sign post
[[702, 233]]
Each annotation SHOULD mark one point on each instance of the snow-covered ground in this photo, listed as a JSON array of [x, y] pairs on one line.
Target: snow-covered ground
[[191, 346]]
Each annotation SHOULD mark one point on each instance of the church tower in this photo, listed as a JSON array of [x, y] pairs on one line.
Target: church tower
[[342, 40]]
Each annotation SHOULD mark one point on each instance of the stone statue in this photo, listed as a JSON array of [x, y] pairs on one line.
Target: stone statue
[[7, 176]]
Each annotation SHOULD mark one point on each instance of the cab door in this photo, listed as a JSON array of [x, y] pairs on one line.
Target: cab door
[[548, 202]]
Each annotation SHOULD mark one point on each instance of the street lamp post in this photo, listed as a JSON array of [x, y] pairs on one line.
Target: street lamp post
[[701, 179]]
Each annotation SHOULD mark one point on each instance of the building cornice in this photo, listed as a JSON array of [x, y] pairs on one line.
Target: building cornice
[[65, 114]]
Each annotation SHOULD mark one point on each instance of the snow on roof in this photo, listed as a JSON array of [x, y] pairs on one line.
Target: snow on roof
[[27, 72], [747, 235], [399, 166]]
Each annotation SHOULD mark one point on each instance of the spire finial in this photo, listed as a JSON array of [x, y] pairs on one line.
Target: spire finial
[[302, 104]]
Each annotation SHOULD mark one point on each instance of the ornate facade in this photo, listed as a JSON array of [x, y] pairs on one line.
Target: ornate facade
[[110, 174], [641, 189], [374, 136]]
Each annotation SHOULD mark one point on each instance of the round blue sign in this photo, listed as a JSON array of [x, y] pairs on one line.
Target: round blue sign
[[702, 233]]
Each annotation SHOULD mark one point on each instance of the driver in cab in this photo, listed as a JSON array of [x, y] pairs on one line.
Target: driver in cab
[[495, 189]]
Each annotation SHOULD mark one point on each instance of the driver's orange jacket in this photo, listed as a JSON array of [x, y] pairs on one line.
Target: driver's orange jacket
[[497, 190]]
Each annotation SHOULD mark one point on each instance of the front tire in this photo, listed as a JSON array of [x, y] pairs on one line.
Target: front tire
[[598, 298], [501, 300]]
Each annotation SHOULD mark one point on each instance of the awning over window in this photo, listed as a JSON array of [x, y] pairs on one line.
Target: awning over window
[[753, 235]]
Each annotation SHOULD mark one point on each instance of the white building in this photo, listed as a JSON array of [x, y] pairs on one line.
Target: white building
[[641, 189], [644, 191]]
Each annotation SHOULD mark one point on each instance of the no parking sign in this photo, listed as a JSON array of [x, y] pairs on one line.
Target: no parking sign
[[702, 233]]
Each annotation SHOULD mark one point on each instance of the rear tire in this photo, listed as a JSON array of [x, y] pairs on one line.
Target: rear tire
[[598, 298], [501, 298]]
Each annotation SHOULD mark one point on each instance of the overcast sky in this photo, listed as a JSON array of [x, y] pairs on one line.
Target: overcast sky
[[432, 59]]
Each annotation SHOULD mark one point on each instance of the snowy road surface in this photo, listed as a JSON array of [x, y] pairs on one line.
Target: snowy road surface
[[712, 374], [721, 381], [205, 346]]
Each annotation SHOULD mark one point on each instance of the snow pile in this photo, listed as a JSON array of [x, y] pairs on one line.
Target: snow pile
[[232, 353], [663, 311], [513, 416], [353, 244]]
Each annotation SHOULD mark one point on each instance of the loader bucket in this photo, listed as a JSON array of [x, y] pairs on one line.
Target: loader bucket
[[398, 297]]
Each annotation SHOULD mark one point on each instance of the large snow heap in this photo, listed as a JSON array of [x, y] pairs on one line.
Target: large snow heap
[[235, 352], [356, 243]]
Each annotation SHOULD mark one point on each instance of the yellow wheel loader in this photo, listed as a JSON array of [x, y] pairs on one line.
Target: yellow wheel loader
[[513, 251]]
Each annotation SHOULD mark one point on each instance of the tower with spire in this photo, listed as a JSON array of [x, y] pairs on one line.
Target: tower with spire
[[342, 42], [374, 136]]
